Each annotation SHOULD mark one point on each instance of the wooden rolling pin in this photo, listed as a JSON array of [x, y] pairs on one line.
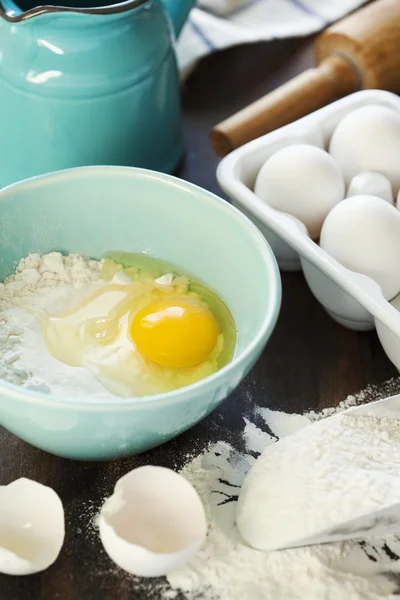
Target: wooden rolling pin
[[360, 52]]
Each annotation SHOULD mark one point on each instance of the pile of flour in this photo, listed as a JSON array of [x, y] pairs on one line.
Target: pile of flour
[[53, 283], [339, 469], [227, 569]]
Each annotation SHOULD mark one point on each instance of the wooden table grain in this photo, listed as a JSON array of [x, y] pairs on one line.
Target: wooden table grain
[[310, 361]]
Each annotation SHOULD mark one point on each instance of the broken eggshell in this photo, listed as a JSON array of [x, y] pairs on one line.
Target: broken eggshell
[[31, 527], [154, 522]]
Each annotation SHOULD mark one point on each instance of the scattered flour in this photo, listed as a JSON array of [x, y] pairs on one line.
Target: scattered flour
[[227, 569], [362, 397], [53, 283], [281, 423], [255, 438]]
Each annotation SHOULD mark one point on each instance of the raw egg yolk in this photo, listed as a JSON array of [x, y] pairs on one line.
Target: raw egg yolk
[[174, 332]]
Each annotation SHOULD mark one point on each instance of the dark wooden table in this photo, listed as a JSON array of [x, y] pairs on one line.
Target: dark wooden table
[[310, 361]]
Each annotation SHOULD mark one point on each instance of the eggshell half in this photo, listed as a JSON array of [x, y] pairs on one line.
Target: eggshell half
[[154, 522], [363, 234], [31, 527]]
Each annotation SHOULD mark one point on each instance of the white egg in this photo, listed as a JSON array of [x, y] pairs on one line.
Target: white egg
[[398, 201], [154, 522], [303, 181], [368, 139], [31, 527], [363, 234], [371, 184]]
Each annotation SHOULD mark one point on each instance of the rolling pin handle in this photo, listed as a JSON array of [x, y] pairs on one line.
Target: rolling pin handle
[[333, 78]]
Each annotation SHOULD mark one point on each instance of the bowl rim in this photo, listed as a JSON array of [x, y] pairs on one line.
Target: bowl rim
[[209, 383]]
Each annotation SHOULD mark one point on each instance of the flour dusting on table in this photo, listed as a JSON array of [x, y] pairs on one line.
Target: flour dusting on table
[[227, 569]]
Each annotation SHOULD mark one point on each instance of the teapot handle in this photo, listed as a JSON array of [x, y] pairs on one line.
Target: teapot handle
[[179, 11]]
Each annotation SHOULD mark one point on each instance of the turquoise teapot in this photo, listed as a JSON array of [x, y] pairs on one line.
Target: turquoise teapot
[[88, 84]]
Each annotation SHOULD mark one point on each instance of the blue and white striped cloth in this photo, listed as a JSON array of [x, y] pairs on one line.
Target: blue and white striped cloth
[[217, 24]]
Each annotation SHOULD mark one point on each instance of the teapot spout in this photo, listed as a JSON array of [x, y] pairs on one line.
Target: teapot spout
[[179, 11]]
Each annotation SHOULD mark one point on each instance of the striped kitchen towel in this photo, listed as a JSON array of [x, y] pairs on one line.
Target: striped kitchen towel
[[217, 24]]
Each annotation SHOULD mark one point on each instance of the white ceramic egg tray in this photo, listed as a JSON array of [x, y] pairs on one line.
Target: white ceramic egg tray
[[352, 299]]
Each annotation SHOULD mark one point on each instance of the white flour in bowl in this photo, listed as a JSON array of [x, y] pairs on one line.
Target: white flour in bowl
[[54, 283]]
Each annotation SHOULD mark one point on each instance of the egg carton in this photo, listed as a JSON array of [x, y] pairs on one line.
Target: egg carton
[[352, 299]]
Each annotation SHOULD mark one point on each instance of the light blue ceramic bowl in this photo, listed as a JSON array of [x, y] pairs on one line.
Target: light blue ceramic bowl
[[95, 209]]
